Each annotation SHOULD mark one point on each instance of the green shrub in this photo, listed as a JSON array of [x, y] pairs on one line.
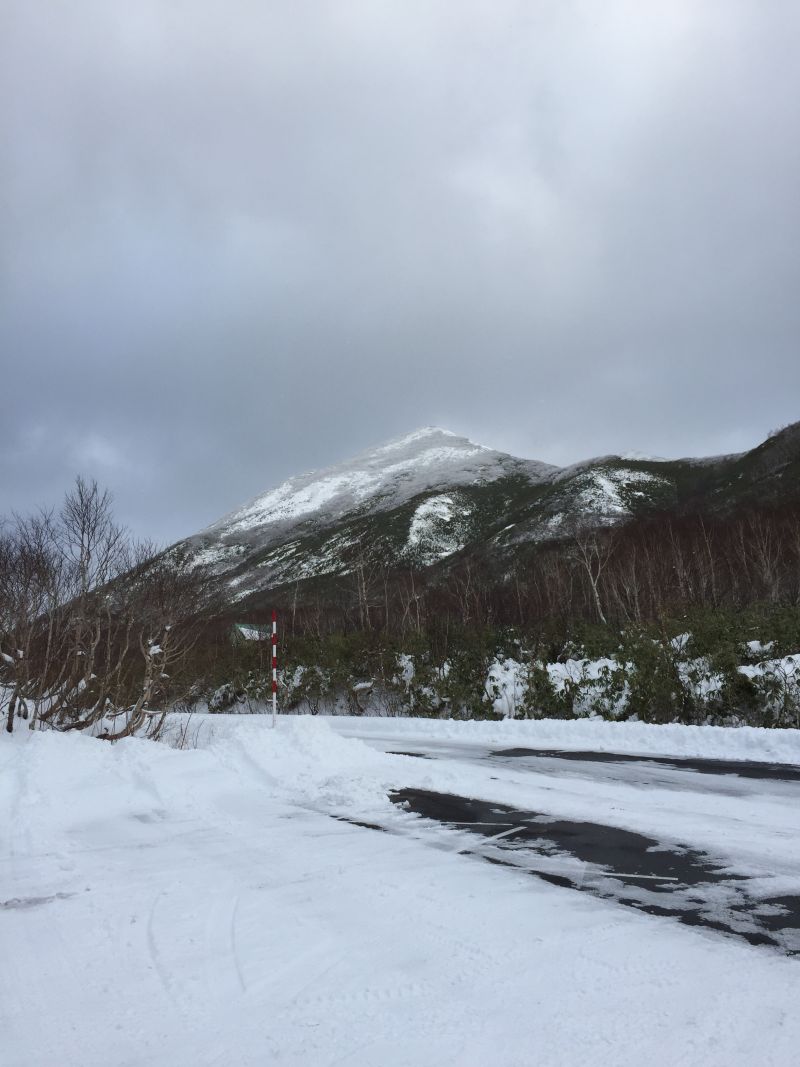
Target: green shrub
[[656, 690]]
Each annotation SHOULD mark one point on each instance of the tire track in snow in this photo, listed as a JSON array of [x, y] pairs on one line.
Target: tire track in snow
[[223, 971], [234, 946], [155, 955]]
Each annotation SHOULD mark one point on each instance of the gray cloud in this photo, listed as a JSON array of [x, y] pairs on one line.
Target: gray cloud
[[242, 239]]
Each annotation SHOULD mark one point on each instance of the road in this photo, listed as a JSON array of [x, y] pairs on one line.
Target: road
[[666, 875]]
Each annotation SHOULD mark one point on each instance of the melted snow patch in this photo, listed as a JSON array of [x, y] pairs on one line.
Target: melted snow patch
[[326, 560], [243, 594]]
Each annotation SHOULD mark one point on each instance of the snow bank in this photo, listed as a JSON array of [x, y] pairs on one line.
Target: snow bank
[[633, 738], [53, 782], [304, 761]]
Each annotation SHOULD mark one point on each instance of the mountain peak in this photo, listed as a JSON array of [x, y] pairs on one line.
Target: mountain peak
[[382, 477], [425, 436], [425, 439], [426, 431]]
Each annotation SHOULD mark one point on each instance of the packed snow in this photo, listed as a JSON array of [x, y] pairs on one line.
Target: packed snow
[[220, 903]]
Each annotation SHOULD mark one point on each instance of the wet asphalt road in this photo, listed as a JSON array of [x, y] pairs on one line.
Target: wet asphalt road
[[629, 868], [775, 772], [660, 878]]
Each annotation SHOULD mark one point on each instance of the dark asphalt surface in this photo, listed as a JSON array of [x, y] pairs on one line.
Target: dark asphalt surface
[[629, 868], [777, 772], [666, 878]]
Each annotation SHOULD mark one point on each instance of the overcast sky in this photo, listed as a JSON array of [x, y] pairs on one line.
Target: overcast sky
[[241, 239]]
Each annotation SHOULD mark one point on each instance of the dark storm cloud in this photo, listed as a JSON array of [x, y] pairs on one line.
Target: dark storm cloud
[[242, 239]]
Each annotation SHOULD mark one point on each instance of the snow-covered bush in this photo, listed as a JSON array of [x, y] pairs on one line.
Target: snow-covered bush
[[506, 686], [542, 699], [656, 689], [223, 698], [777, 683], [662, 673]]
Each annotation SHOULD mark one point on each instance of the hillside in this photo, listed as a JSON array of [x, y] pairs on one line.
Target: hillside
[[423, 499]]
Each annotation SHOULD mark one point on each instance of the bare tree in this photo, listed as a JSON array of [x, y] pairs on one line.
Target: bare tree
[[592, 550], [93, 625]]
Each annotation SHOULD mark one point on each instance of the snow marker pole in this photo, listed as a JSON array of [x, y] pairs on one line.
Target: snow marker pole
[[274, 666]]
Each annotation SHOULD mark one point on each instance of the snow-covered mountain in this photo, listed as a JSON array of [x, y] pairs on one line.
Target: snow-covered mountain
[[318, 523], [418, 500], [380, 479]]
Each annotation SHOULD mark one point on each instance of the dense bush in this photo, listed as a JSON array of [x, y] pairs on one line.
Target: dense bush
[[702, 668]]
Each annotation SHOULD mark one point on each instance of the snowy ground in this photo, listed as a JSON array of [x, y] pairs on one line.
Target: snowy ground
[[219, 905]]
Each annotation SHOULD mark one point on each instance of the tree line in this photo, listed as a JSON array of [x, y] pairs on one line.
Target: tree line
[[639, 572], [103, 633], [95, 627], [624, 592]]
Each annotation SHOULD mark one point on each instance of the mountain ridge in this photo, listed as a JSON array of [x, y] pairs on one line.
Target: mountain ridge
[[420, 499]]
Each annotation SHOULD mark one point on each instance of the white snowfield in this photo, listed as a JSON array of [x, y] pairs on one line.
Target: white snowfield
[[213, 906]]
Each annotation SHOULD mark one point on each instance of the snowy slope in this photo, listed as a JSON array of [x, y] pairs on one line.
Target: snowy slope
[[301, 530], [214, 906], [381, 478], [424, 497]]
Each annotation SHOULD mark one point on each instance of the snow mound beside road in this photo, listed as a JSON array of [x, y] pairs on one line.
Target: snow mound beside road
[[595, 735], [302, 760]]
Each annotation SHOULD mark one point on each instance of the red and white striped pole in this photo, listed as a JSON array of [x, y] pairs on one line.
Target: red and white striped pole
[[274, 666]]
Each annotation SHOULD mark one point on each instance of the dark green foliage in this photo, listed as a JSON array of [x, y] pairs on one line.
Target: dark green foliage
[[682, 669], [737, 696], [542, 700], [656, 691]]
